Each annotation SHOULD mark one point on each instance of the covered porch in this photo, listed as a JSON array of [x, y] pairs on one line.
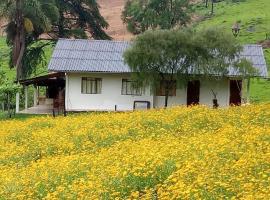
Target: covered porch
[[48, 93]]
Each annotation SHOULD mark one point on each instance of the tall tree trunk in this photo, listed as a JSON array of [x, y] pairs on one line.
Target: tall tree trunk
[[19, 69], [8, 106], [212, 8], [19, 41], [171, 2], [167, 92], [61, 30], [169, 84], [206, 3]]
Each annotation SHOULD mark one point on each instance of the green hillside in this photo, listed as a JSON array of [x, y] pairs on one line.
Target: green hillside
[[254, 16], [4, 58]]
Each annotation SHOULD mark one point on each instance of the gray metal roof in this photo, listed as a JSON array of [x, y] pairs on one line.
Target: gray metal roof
[[77, 55]]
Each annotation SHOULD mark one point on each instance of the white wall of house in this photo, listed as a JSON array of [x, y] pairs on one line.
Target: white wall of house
[[222, 89], [111, 94], [179, 99], [220, 86]]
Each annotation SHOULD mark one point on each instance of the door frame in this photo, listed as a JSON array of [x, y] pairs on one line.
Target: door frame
[[229, 89], [187, 96]]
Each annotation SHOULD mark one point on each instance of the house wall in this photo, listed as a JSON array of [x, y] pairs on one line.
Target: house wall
[[221, 87], [111, 94]]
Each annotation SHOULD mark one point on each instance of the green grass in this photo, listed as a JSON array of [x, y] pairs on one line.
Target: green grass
[[260, 90], [4, 116], [255, 24], [10, 73], [4, 59], [253, 14]]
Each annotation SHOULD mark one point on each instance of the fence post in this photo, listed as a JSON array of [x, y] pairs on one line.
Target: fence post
[[35, 96], [26, 97], [17, 102]]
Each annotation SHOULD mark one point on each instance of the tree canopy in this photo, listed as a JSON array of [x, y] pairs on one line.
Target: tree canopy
[[169, 55], [29, 19], [79, 19], [152, 14], [8, 89]]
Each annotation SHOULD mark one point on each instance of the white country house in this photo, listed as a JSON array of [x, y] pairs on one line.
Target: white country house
[[90, 75]]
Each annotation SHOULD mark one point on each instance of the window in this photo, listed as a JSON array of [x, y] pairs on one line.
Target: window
[[162, 86], [129, 88], [91, 85]]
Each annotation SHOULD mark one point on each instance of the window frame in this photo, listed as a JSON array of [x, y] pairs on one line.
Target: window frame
[[91, 82], [133, 91]]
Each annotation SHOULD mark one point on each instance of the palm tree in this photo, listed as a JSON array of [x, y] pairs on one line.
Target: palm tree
[[27, 20]]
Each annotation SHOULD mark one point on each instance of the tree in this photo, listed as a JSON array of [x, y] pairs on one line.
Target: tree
[[179, 55], [212, 7], [206, 3], [213, 2], [140, 15], [27, 20], [79, 19], [8, 90]]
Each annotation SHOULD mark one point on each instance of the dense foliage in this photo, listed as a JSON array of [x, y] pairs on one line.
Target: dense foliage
[[178, 153], [79, 19], [140, 16], [8, 90], [29, 19], [169, 55]]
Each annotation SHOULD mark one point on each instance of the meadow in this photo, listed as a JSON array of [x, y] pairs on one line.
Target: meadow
[[176, 153]]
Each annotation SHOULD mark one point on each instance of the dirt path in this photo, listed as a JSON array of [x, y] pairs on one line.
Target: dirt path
[[112, 10]]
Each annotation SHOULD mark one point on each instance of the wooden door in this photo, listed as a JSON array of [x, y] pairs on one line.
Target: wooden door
[[193, 93], [235, 92]]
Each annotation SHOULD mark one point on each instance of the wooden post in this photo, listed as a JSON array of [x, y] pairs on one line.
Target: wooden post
[[8, 107], [248, 90], [26, 97], [17, 102], [35, 95], [38, 94]]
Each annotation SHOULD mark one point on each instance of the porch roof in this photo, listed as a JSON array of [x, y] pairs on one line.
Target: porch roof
[[45, 80]]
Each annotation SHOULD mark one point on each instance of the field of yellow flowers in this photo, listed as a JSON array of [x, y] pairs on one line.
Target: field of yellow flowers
[[177, 153]]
